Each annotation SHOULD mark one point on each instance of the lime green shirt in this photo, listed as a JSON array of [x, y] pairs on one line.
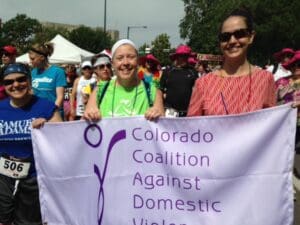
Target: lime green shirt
[[120, 101]]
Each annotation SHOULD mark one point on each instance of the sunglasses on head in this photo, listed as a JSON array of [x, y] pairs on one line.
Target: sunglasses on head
[[241, 33], [21, 79], [102, 66]]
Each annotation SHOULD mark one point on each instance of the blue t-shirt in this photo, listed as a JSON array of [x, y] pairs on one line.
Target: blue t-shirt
[[15, 127], [44, 83]]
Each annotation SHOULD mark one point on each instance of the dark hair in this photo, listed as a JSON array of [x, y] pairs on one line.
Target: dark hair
[[242, 12], [45, 49]]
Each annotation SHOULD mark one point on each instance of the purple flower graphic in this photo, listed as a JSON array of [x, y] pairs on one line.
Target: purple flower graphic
[[118, 136]]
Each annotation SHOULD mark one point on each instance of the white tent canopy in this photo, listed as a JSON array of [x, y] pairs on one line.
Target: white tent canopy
[[64, 52]]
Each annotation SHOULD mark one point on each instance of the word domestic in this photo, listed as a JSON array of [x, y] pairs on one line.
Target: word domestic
[[201, 206], [139, 134]]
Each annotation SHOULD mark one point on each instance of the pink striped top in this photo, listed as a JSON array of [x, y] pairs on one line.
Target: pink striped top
[[216, 95]]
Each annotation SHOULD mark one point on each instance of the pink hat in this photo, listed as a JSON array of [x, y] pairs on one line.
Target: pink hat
[[278, 55], [9, 49], [296, 58], [192, 61], [181, 50], [149, 57]]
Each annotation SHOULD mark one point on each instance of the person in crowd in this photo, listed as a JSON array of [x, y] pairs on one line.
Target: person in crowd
[[48, 81], [281, 57], [79, 93], [19, 196], [125, 94], [8, 55], [192, 61], [239, 86], [202, 68], [149, 69], [177, 82], [71, 75], [102, 68], [288, 89]]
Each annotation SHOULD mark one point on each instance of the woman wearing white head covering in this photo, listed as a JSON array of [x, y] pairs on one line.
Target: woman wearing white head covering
[[125, 94]]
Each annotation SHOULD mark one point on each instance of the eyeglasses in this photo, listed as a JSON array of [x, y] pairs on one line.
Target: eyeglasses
[[21, 79], [241, 33], [86, 68], [101, 67]]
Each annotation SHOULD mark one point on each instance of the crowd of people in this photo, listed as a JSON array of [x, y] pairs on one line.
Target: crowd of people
[[123, 84]]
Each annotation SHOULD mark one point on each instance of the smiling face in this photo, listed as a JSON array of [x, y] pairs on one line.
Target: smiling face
[[17, 86], [125, 63], [239, 40]]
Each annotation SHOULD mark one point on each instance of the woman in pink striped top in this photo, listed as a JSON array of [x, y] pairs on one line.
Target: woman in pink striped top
[[238, 86]]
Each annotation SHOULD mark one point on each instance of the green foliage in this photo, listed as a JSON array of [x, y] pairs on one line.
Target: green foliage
[[276, 25], [93, 40], [20, 31], [161, 47]]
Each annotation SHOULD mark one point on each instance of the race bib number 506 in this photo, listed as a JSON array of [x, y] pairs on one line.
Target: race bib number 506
[[14, 169]]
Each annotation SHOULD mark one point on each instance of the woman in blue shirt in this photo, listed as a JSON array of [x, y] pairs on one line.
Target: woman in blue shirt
[[19, 197]]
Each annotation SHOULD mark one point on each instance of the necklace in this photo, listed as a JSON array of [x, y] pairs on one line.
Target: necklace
[[249, 90], [113, 99]]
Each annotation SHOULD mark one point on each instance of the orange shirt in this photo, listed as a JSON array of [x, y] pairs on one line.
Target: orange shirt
[[216, 95]]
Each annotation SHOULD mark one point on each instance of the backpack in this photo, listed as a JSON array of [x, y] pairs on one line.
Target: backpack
[[147, 89]]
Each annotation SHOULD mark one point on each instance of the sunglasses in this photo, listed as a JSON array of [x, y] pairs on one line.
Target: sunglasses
[[288, 55], [297, 64], [6, 54], [101, 67], [86, 68], [241, 33], [21, 79]]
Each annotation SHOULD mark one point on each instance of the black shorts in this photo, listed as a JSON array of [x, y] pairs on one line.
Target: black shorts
[[23, 208]]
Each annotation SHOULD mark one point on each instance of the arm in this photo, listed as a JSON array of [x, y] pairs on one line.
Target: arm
[[59, 96], [157, 110], [92, 112], [73, 98]]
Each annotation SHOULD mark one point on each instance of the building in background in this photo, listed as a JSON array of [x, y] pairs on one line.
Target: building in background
[[114, 34]]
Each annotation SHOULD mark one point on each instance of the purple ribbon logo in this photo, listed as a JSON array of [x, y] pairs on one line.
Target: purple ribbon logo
[[118, 136]]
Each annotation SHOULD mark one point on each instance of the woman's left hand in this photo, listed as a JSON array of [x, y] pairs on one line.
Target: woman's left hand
[[38, 123]]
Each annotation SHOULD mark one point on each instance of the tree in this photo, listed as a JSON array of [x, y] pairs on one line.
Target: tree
[[161, 47], [20, 31], [94, 40], [142, 49], [276, 25]]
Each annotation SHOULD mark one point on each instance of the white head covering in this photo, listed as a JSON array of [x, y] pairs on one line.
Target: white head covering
[[122, 42], [102, 60]]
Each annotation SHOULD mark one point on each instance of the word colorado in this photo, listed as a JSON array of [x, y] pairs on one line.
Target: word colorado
[[139, 134]]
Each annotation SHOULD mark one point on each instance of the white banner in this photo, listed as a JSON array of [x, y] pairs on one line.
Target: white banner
[[218, 170]]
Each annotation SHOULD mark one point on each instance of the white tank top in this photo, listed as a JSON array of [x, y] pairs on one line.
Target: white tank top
[[82, 83]]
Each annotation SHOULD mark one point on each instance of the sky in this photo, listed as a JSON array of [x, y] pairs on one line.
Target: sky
[[160, 16]]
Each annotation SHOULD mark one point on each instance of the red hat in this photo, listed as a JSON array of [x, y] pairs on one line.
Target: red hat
[[9, 49], [192, 61], [296, 58], [149, 57], [278, 55], [181, 50]]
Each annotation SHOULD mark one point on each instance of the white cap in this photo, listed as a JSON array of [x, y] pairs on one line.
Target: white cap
[[86, 63], [122, 42], [102, 60]]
